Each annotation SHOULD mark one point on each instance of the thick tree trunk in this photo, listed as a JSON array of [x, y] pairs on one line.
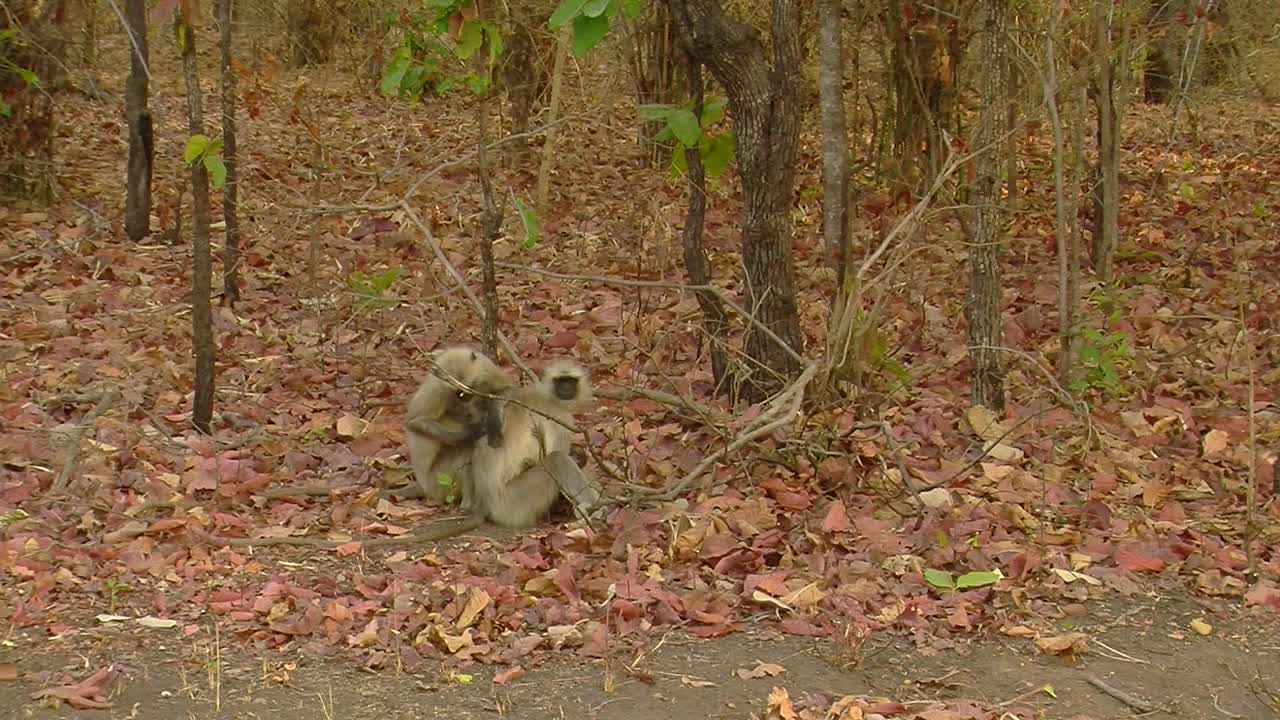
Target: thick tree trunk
[[835, 137], [201, 262], [230, 204], [695, 256], [764, 102], [137, 203], [982, 308]]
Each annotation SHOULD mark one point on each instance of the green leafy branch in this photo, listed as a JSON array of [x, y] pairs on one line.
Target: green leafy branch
[[200, 149], [683, 129], [437, 48], [590, 19]]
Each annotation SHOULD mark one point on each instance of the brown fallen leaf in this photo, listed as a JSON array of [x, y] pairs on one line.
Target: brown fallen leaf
[[780, 707], [8, 672], [762, 669], [1058, 644], [508, 675], [88, 694]]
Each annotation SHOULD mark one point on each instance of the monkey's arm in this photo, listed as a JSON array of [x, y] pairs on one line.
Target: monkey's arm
[[451, 435]]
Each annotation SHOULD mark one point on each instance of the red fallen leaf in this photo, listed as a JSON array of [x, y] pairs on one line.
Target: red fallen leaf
[[837, 519], [717, 546], [793, 501], [562, 340], [349, 548], [1135, 557], [710, 631], [507, 676], [1097, 515], [959, 617], [1265, 595], [774, 583], [88, 694]]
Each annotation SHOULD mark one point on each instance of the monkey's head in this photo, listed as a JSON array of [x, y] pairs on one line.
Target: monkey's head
[[567, 382], [474, 370]]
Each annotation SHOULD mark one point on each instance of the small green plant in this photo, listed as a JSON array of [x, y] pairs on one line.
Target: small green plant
[[943, 580], [200, 149], [7, 38], [436, 48], [529, 220], [1103, 356], [682, 129], [114, 588], [371, 290]]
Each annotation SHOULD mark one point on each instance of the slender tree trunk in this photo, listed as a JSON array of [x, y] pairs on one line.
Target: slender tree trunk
[[1062, 227], [202, 265], [549, 149], [695, 256], [764, 103], [491, 222], [137, 203], [1107, 199], [835, 137], [230, 205], [1070, 320], [983, 304]]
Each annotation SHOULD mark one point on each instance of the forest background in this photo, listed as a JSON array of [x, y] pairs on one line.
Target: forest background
[[925, 322]]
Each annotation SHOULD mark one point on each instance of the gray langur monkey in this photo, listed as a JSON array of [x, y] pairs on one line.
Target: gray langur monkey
[[523, 464], [445, 417]]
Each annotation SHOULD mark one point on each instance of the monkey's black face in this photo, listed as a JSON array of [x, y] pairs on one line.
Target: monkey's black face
[[565, 387]]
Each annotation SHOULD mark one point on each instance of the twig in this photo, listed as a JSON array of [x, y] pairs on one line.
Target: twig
[[777, 416], [461, 281], [74, 436], [1133, 702], [663, 285]]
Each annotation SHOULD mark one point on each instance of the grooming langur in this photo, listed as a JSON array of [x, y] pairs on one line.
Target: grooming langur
[[445, 417], [519, 471], [515, 474]]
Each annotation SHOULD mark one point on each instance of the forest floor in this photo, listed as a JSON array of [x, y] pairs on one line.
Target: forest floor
[[1141, 647], [1119, 538]]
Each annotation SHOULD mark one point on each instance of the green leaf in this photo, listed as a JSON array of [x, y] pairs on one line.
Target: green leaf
[[713, 110], [632, 8], [216, 169], [980, 578], [529, 219], [5, 110], [470, 39], [394, 74], [719, 154], [679, 161], [664, 136], [215, 147], [655, 112], [195, 148], [588, 32], [940, 579], [566, 11], [495, 42], [595, 8], [685, 126]]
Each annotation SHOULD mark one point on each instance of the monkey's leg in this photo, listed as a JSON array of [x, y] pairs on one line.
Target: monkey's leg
[[581, 490], [523, 501], [429, 463]]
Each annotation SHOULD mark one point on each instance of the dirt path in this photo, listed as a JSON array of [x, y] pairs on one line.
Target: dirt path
[[1232, 673]]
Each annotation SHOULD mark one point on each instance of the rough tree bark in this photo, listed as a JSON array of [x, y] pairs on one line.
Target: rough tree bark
[[137, 202], [1106, 207], [764, 103], [982, 308], [201, 262], [696, 263], [230, 211], [835, 137]]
